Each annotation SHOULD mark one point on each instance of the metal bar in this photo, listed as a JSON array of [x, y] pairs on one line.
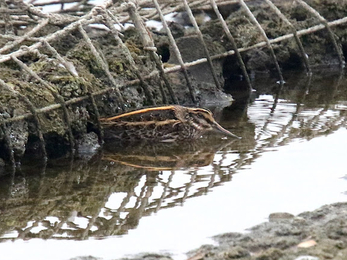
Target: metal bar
[[176, 51], [233, 43], [194, 173], [162, 92], [72, 70], [18, 41], [201, 38], [148, 45], [268, 43], [103, 65], [34, 113], [165, 188], [68, 65], [330, 32], [56, 95], [293, 30], [109, 23]]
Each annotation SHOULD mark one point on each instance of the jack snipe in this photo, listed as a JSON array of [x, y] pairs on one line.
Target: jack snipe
[[162, 124]]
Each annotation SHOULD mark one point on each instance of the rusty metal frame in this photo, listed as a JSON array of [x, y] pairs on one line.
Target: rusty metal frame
[[110, 12]]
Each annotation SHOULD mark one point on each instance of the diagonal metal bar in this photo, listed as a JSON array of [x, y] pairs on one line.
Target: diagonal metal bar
[[176, 51], [34, 113], [330, 32], [68, 65], [18, 41], [103, 65], [109, 23], [293, 30], [165, 188], [148, 45], [201, 38], [261, 30], [56, 95], [233, 43], [72, 70]]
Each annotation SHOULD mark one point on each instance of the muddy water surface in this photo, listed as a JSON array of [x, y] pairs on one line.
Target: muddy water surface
[[171, 199]]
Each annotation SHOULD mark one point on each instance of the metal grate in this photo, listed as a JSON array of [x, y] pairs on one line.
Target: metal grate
[[31, 35]]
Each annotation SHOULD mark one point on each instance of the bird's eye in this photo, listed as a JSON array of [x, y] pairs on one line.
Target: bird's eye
[[200, 116]]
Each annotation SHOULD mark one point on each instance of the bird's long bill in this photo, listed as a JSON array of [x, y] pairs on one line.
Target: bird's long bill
[[219, 129]]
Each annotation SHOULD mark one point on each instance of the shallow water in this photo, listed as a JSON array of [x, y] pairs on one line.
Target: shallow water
[[116, 202]]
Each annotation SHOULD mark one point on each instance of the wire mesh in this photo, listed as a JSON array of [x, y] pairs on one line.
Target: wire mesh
[[38, 42]]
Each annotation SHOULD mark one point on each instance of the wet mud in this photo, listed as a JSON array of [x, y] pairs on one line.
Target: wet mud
[[317, 235], [320, 234]]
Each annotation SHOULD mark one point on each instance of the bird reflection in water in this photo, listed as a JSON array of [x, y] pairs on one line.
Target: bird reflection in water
[[165, 156], [163, 138]]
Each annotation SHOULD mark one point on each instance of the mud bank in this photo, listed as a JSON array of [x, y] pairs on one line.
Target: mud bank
[[316, 235]]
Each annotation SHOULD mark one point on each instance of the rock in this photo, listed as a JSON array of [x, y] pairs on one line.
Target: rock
[[278, 216], [149, 256], [270, 254], [2, 163], [234, 253], [88, 145], [200, 75], [18, 133], [258, 61]]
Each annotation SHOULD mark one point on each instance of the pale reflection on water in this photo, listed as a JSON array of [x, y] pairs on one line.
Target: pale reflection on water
[[125, 200]]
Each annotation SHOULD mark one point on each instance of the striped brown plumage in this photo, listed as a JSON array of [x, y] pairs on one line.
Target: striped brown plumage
[[161, 124]]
